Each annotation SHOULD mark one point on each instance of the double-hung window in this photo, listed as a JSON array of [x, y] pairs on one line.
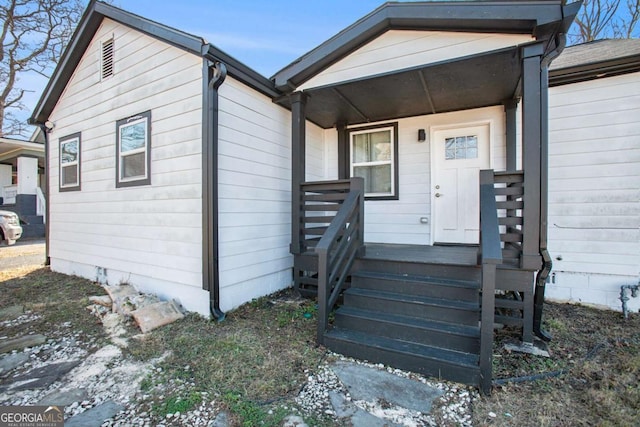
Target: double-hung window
[[133, 150], [70, 163], [374, 157]]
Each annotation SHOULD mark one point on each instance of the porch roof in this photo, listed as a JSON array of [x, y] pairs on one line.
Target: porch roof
[[429, 89], [462, 83], [11, 149]]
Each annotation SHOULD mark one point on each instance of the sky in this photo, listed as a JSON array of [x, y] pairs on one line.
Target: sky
[[265, 35]]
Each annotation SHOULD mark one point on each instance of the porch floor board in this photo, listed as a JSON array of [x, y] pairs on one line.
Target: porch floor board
[[438, 254]]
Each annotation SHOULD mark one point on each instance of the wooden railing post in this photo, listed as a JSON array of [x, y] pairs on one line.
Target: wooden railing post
[[323, 285], [490, 255], [357, 184], [298, 142]]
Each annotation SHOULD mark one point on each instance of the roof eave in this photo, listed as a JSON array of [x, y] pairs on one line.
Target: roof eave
[[89, 24], [519, 17]]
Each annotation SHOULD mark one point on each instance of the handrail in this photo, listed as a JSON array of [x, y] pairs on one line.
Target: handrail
[[41, 205], [490, 255], [337, 250]]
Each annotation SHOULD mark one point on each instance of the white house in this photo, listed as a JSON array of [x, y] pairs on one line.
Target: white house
[[594, 172], [392, 155]]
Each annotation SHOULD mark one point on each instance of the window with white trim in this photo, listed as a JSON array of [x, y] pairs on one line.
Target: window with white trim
[[70, 162], [133, 150], [374, 157]]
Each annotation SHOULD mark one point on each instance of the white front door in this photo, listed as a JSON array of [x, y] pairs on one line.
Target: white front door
[[458, 156]]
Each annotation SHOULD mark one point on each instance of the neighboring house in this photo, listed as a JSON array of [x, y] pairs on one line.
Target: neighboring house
[[21, 181], [178, 169], [594, 172]]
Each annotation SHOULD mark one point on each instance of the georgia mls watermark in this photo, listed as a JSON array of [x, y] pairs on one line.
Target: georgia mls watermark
[[31, 416]]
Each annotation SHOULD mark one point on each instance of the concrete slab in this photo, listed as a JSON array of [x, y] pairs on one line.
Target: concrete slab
[[64, 398], [12, 361], [357, 416], [11, 312], [119, 294], [537, 348], [38, 378], [7, 346], [95, 416], [370, 384], [104, 300], [156, 315]]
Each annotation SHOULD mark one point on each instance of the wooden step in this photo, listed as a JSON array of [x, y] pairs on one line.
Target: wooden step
[[430, 269], [428, 332], [452, 311], [409, 284], [432, 361]]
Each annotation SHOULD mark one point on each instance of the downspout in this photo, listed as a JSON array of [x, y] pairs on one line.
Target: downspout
[[547, 264], [45, 132], [215, 73]]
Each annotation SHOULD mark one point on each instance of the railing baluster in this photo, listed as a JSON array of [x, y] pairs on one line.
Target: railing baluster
[[337, 249]]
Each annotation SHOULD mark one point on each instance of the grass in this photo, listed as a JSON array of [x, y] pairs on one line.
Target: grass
[[598, 354], [255, 362], [56, 299]]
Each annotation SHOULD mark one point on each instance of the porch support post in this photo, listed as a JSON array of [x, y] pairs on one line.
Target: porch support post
[[531, 161], [343, 151], [510, 109], [298, 170]]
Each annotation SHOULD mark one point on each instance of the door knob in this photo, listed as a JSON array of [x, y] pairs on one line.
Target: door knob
[[438, 194]]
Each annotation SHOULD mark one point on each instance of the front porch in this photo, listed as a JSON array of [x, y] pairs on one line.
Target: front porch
[[429, 309]]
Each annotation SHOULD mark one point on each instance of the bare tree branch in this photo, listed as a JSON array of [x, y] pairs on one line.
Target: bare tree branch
[[33, 35]]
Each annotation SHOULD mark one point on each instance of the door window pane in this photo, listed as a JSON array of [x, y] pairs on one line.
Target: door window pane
[[461, 147]]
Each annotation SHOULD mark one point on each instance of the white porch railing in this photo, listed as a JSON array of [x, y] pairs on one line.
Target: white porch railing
[[9, 193], [41, 205]]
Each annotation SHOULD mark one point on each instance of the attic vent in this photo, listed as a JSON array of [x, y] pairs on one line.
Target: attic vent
[[107, 58]]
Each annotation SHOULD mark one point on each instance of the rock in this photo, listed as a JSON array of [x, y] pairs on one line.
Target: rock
[[342, 407], [12, 361], [120, 294], [7, 346], [365, 419], [537, 348], [104, 300], [294, 421], [11, 312], [221, 420], [156, 315], [64, 398], [370, 384], [39, 378], [95, 416]]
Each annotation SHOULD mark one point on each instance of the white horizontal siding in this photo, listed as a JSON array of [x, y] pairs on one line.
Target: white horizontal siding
[[255, 192], [399, 221], [150, 235], [400, 49], [594, 189]]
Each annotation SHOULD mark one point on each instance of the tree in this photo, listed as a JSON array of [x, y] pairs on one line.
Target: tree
[[599, 19], [33, 36]]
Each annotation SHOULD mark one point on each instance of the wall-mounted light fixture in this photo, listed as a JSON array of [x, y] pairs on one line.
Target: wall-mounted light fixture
[[422, 135], [49, 125]]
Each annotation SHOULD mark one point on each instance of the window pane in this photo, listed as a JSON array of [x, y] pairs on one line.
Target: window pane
[[377, 179], [69, 175], [472, 153], [372, 147], [361, 148], [132, 136], [472, 141], [69, 151], [133, 165]]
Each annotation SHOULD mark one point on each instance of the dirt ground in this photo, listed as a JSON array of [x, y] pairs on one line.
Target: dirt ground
[[592, 376]]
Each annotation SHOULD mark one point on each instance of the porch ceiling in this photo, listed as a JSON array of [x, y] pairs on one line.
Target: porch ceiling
[[472, 82]]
